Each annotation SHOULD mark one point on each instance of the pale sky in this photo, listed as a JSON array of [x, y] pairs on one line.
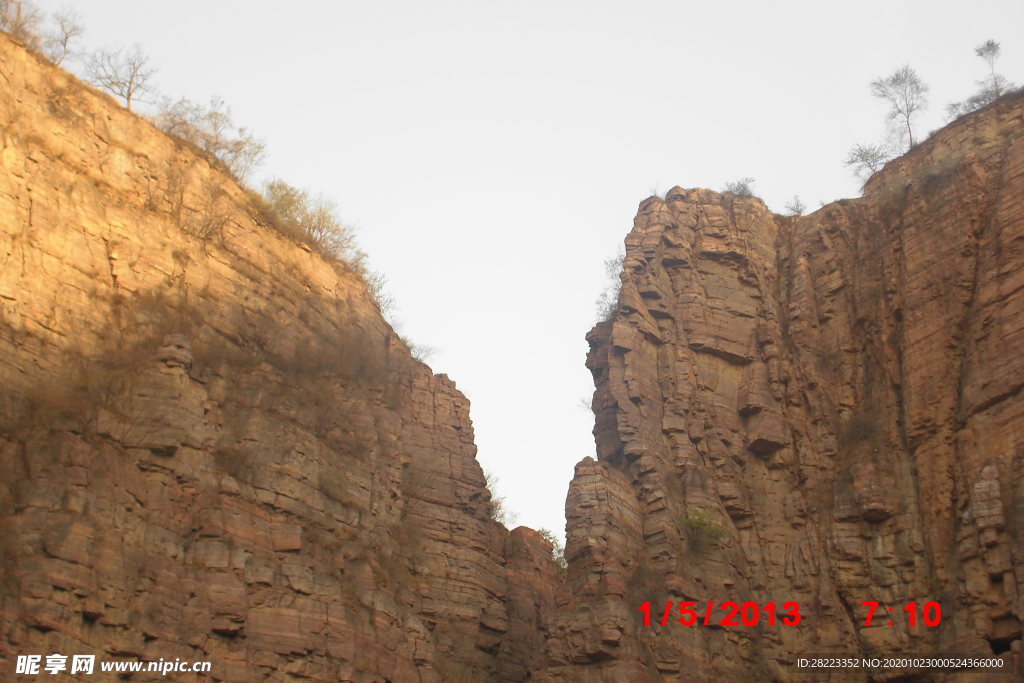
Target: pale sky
[[492, 154]]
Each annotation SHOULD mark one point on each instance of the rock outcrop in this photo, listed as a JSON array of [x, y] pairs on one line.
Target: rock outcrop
[[822, 409], [214, 447]]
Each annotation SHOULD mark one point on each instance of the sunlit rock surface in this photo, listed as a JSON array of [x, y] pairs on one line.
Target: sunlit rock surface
[[214, 447]]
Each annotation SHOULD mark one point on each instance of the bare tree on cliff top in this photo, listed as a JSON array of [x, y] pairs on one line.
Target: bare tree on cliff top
[[212, 129], [22, 20], [125, 74], [906, 94], [796, 207], [996, 84], [68, 28], [742, 187], [990, 89], [608, 302]]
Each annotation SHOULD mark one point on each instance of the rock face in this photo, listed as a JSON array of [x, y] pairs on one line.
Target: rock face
[[214, 447], [822, 409]]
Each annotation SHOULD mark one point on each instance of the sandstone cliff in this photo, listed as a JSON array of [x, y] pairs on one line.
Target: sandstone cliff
[[213, 446], [822, 409]]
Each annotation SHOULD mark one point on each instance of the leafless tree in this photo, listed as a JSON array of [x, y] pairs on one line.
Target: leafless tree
[[212, 129], [796, 207], [608, 302], [68, 27], [906, 94], [989, 51], [314, 221], [867, 159], [125, 74], [989, 89], [743, 187], [500, 511], [21, 19]]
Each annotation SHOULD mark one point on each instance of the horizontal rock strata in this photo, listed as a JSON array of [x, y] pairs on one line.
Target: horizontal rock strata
[[217, 449], [214, 446], [823, 409]]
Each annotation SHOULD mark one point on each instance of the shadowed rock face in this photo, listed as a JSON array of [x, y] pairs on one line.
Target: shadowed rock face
[[213, 445], [215, 448], [822, 409]]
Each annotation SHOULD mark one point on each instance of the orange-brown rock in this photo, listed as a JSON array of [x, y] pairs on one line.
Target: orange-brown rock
[[213, 445], [215, 448], [822, 409]]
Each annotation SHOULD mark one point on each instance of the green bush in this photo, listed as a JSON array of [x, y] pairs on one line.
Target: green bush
[[557, 549], [702, 530]]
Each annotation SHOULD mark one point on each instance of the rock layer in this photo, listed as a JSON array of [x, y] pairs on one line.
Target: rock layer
[[822, 409], [217, 449], [214, 446]]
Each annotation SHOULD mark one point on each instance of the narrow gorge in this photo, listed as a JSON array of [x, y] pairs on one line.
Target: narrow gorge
[[216, 448]]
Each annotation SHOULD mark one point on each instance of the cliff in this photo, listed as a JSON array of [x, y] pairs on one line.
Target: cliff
[[822, 409], [214, 447]]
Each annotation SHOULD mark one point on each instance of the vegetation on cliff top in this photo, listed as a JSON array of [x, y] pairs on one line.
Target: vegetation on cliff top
[[907, 95], [210, 130]]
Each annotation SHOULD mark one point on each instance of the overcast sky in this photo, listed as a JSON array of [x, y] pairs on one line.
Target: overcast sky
[[492, 154]]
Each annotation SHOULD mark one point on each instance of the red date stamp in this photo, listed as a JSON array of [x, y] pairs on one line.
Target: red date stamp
[[725, 614]]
